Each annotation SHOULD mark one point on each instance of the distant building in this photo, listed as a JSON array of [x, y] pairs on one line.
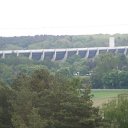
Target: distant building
[[111, 42]]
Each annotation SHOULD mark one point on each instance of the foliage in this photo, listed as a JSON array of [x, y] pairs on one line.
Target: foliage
[[31, 97], [42, 101], [5, 107], [63, 41], [110, 71], [106, 70], [116, 112], [50, 41]]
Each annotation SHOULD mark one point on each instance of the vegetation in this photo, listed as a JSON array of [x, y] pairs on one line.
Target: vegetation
[[116, 112], [43, 100], [110, 71], [106, 71], [107, 93], [102, 96], [46, 94], [49, 41]]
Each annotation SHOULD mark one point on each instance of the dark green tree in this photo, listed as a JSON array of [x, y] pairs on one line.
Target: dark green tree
[[42, 100], [105, 63], [5, 107]]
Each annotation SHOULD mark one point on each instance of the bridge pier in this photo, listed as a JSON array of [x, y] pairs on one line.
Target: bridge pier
[[54, 56], [77, 52], [87, 54], [97, 53], [125, 51], [65, 55], [30, 56], [17, 54], [42, 56], [3, 55], [116, 51], [107, 50]]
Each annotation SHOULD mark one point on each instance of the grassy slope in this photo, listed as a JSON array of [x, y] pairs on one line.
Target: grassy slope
[[103, 95]]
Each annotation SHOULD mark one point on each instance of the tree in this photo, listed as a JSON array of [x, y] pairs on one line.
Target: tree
[[64, 73], [5, 107], [104, 64], [43, 101], [122, 62], [5, 73], [111, 79]]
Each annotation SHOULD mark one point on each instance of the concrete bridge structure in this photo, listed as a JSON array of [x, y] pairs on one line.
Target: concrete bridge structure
[[63, 54]]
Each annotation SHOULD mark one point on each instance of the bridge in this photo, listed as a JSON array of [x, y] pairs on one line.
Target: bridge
[[63, 54]]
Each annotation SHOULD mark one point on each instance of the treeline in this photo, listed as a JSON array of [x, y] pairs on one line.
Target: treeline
[[104, 71], [44, 100], [111, 71], [65, 41]]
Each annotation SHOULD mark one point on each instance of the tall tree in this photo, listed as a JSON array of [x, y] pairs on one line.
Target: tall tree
[[104, 64], [5, 107], [43, 101]]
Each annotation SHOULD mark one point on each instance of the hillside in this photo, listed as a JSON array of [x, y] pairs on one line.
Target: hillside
[[63, 41]]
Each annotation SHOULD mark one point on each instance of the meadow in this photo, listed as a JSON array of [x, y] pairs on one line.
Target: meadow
[[101, 96]]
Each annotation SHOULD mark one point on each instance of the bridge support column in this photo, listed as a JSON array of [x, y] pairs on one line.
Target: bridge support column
[[54, 56], [17, 54], [97, 53], [42, 56], [116, 51], [30, 56], [125, 51], [65, 55], [77, 52], [3, 55], [107, 50], [87, 54]]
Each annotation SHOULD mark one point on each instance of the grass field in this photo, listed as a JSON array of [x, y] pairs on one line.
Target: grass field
[[102, 96]]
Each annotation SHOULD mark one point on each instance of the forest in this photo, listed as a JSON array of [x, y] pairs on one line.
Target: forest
[[47, 94], [61, 41], [106, 71]]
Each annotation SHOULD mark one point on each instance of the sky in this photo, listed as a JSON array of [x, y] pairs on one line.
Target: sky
[[63, 17]]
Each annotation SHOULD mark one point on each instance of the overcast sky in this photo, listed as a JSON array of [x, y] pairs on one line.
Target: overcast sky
[[32, 17]]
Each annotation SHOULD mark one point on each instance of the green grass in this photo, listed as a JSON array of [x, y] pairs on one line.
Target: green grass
[[107, 93], [103, 95]]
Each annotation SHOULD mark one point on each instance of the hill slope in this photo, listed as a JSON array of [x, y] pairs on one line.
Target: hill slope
[[63, 41]]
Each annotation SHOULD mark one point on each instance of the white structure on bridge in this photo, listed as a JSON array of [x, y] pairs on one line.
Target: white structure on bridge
[[63, 54]]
